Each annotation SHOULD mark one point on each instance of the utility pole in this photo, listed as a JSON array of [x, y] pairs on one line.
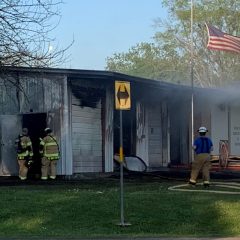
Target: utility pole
[[192, 85]]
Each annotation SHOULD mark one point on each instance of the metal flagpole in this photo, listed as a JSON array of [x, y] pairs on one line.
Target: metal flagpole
[[192, 85]]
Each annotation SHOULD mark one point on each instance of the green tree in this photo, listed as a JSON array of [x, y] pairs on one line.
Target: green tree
[[170, 51]]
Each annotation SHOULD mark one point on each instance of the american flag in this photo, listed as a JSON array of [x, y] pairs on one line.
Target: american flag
[[219, 40]]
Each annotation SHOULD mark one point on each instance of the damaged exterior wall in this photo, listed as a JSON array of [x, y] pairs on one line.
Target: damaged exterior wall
[[109, 129], [23, 93], [163, 125], [142, 132], [87, 113], [30, 93], [79, 107], [180, 122], [86, 137]]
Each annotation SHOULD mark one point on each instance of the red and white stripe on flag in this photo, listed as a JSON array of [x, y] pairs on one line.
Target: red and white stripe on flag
[[219, 40]]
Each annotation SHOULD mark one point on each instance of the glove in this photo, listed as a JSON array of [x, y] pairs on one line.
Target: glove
[[29, 162]]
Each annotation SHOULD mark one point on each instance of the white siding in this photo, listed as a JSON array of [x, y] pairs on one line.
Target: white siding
[[235, 130], [155, 136], [109, 106], [142, 132], [86, 137], [158, 132], [219, 126], [165, 135]]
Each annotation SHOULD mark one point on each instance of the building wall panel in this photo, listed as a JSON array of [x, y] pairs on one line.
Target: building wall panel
[[86, 137], [155, 135], [29, 93], [219, 128], [234, 130]]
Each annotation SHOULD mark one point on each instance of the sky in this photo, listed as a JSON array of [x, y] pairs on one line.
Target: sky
[[101, 28]]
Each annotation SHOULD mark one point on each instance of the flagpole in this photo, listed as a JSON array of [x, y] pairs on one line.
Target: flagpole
[[192, 85]]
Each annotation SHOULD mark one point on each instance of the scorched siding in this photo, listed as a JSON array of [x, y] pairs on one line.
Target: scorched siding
[[86, 137]]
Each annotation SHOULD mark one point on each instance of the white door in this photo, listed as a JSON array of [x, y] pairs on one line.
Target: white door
[[10, 126]]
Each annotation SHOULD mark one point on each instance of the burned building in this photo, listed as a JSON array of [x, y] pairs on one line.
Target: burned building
[[79, 106]]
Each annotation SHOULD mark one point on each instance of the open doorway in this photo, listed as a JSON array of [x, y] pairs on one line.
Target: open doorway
[[36, 123]]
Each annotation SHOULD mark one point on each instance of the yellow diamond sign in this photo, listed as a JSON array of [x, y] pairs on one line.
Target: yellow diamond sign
[[122, 95]]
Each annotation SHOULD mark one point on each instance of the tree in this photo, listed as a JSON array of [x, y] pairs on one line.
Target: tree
[[25, 27], [147, 60], [172, 60]]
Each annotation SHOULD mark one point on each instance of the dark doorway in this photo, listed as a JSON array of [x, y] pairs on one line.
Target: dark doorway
[[129, 131], [36, 123]]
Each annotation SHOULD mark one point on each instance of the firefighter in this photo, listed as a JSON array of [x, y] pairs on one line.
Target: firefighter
[[49, 151], [24, 153], [202, 146]]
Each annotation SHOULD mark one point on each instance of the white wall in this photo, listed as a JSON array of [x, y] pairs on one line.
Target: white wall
[[235, 130], [219, 125], [86, 138], [155, 135]]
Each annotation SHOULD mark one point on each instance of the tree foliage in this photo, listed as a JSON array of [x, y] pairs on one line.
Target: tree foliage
[[25, 27], [171, 50]]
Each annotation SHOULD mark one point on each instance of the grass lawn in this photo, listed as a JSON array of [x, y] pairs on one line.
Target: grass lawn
[[92, 209]]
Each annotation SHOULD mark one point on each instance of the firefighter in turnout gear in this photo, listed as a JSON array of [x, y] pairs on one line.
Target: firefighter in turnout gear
[[24, 153], [202, 146], [49, 151]]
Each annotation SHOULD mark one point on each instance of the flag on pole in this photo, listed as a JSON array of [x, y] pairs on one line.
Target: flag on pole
[[221, 41]]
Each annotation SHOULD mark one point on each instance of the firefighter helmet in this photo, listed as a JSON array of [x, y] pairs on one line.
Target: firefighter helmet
[[47, 130], [202, 130], [24, 131]]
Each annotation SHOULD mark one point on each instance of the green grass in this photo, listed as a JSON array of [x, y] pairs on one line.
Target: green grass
[[92, 209]]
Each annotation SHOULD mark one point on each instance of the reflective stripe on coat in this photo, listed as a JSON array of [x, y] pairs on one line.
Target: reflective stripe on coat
[[26, 145], [50, 147]]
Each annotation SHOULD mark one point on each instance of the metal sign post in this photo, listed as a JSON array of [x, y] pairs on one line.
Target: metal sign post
[[122, 102]]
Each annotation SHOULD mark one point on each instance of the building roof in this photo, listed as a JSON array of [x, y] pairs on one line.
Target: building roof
[[97, 74]]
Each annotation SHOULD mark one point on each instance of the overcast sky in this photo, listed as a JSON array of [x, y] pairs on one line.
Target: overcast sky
[[103, 27]]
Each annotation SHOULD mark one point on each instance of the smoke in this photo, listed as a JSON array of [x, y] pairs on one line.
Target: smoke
[[227, 95]]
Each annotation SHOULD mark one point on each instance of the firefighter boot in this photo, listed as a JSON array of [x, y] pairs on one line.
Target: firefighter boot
[[192, 182], [206, 184]]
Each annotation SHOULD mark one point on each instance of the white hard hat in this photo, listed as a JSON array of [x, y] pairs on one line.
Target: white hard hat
[[202, 130]]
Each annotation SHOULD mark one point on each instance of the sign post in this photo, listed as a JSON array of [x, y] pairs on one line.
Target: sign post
[[122, 102]]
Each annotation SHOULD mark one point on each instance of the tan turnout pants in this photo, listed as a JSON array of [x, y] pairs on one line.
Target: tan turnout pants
[[49, 168], [23, 170], [201, 162]]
